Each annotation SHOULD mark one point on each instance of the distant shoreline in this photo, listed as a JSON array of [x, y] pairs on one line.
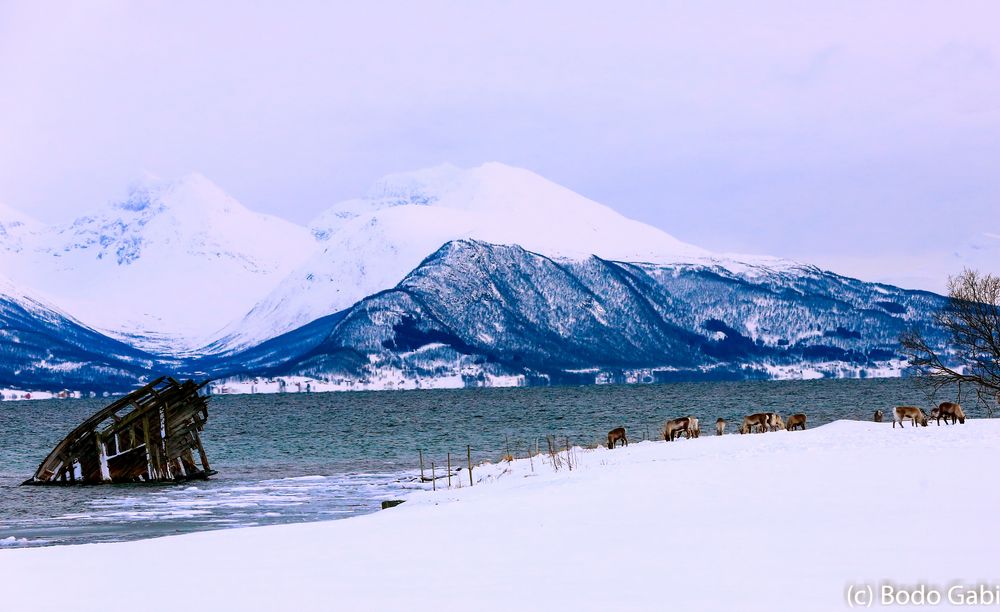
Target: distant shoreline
[[295, 385]]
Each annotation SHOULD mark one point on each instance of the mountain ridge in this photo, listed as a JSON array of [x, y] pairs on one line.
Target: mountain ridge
[[432, 276], [475, 312], [371, 243]]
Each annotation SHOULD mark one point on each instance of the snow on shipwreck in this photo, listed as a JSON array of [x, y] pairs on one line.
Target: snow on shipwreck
[[149, 435]]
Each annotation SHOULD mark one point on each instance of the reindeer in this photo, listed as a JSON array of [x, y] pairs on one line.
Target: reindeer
[[616, 435], [694, 429], [797, 420], [774, 422], [758, 420], [675, 427], [936, 414], [878, 415], [950, 409], [916, 415], [720, 426]]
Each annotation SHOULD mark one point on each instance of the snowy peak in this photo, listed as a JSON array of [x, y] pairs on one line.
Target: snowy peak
[[191, 195], [421, 187], [372, 242], [165, 267], [504, 205], [15, 228], [192, 215], [491, 187]]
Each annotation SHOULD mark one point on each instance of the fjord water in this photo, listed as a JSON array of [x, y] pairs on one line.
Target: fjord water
[[307, 457]]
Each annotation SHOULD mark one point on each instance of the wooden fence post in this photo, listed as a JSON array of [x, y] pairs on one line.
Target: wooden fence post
[[449, 470], [421, 464], [468, 455], [434, 485]]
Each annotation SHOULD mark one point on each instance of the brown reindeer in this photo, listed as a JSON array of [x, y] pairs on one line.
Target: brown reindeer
[[950, 409], [916, 415], [878, 415], [758, 421], [720, 426], [616, 435], [675, 427], [797, 420], [693, 429]]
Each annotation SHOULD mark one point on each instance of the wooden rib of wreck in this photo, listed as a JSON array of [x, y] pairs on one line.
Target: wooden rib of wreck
[[149, 435]]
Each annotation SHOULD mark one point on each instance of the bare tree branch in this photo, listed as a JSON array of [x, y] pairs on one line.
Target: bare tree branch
[[971, 320]]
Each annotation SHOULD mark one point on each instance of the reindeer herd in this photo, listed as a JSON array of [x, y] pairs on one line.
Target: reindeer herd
[[689, 427], [761, 422], [945, 410]]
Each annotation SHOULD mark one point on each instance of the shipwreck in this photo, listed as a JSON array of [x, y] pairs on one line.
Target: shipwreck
[[149, 435]]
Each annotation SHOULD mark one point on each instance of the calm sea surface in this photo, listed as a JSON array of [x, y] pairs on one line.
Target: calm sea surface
[[309, 457]]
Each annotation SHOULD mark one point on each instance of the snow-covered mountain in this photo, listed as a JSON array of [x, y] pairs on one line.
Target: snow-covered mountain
[[533, 283], [163, 269], [475, 311], [371, 243], [44, 348]]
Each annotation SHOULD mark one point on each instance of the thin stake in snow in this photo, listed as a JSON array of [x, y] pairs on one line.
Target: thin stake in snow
[[421, 454], [434, 486], [449, 470], [468, 454], [553, 455]]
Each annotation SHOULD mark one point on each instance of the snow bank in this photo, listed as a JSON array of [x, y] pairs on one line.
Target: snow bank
[[778, 521]]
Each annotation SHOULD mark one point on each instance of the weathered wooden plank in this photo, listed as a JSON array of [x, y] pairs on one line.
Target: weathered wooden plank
[[151, 469], [201, 453], [130, 466]]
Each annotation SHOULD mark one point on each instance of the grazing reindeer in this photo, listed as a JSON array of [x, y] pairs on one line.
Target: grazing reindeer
[[774, 422], [720, 426], [950, 409], [675, 427], [916, 415], [615, 435], [878, 415], [936, 414], [758, 420], [694, 429], [797, 420]]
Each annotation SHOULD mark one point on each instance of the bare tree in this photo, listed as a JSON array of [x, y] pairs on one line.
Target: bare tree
[[971, 321]]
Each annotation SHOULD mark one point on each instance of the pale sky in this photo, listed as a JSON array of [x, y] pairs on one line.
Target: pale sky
[[864, 137]]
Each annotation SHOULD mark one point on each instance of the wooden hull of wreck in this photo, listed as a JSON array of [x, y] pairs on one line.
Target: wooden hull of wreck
[[150, 435]]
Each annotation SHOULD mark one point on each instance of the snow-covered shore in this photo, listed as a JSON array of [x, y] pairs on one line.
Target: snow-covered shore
[[779, 521]]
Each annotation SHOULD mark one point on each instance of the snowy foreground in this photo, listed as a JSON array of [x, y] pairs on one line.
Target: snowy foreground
[[779, 521]]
